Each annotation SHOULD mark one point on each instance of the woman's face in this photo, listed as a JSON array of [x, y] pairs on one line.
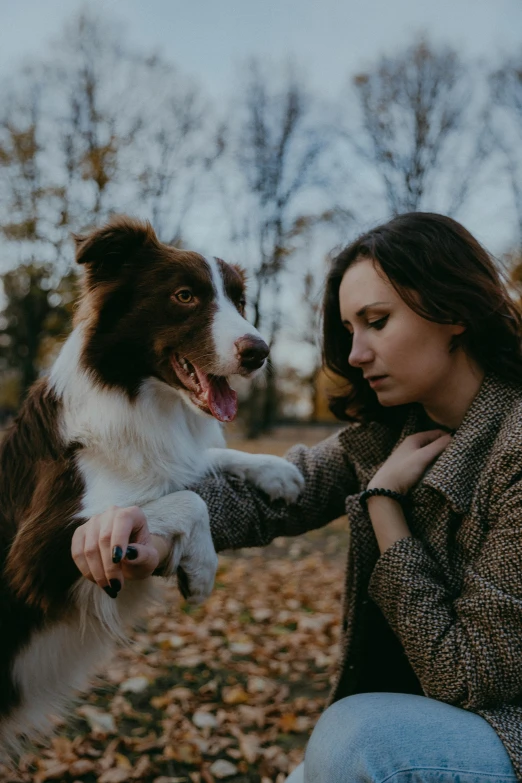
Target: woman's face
[[404, 357]]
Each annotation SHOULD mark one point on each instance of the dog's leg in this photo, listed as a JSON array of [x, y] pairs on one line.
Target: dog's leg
[[274, 475], [182, 518]]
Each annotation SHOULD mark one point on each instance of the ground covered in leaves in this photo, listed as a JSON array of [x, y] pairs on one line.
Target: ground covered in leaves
[[226, 691]]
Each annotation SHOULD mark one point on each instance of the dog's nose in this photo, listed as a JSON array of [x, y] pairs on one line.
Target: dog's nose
[[252, 352]]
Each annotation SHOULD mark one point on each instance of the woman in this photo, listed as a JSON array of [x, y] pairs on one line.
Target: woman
[[418, 322]]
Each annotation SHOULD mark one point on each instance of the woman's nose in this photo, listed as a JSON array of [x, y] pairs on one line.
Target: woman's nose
[[360, 353]]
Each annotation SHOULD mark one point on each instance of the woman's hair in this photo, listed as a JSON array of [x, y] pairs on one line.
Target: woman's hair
[[442, 273]]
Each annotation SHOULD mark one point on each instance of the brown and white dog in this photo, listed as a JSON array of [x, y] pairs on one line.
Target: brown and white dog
[[128, 416]]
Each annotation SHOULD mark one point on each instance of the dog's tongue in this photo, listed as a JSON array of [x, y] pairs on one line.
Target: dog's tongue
[[221, 399]]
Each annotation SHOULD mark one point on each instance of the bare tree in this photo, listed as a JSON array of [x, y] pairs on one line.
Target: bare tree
[[30, 195], [506, 126], [419, 129], [93, 129], [133, 128], [277, 150], [176, 147], [38, 310]]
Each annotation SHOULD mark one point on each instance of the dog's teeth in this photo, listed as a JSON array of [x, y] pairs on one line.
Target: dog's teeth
[[189, 369]]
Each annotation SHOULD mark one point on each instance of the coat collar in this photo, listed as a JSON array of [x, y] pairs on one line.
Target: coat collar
[[456, 471]]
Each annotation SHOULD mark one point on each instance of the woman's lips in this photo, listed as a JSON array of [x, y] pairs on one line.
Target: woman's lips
[[376, 381]]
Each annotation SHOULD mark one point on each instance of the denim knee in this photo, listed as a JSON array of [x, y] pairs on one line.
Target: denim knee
[[342, 740], [372, 737]]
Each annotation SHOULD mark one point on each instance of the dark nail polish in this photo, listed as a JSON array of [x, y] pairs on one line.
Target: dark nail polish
[[131, 553], [110, 592], [117, 554], [116, 585]]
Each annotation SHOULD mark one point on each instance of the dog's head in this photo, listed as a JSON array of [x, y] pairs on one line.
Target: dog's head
[[152, 310]]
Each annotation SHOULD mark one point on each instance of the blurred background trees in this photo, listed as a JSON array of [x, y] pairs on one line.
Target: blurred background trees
[[506, 127], [420, 129], [99, 128]]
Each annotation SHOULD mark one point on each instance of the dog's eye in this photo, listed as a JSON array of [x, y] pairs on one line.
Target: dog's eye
[[184, 295], [242, 305]]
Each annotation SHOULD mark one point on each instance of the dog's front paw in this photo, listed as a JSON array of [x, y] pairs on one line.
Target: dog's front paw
[[277, 477]]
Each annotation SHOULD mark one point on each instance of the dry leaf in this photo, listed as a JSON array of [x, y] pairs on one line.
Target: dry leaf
[[234, 694], [122, 761], [204, 720], [142, 767], [185, 752], [287, 722], [248, 744], [115, 775], [134, 685], [99, 722], [163, 779], [81, 767], [223, 769], [55, 771]]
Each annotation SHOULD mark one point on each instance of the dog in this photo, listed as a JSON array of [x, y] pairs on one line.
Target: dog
[[129, 415]]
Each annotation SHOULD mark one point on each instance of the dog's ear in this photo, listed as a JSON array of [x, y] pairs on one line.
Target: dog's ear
[[107, 250], [241, 272]]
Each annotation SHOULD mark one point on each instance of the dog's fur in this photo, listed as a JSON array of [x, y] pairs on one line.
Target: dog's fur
[[118, 422]]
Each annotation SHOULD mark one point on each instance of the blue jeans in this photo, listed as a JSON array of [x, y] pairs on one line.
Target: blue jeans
[[384, 737]]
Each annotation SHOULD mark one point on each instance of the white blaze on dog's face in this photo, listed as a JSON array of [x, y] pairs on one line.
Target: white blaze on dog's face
[[151, 310]]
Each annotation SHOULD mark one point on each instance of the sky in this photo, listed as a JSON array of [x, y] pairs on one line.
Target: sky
[[331, 40]]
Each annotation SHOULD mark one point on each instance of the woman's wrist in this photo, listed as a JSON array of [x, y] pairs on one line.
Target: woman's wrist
[[385, 482], [382, 492], [388, 521]]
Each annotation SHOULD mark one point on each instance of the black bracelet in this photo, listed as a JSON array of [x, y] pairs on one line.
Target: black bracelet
[[388, 493]]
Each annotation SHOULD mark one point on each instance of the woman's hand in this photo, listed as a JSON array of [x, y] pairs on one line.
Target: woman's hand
[[408, 463], [115, 546]]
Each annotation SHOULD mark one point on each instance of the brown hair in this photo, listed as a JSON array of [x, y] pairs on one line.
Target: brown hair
[[445, 275]]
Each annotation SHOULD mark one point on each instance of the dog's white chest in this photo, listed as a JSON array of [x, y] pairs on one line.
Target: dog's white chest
[[137, 452]]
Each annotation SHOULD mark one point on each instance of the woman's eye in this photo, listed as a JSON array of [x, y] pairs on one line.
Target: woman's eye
[[380, 324], [184, 295]]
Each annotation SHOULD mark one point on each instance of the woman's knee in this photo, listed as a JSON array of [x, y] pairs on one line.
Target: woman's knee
[[371, 736], [343, 739]]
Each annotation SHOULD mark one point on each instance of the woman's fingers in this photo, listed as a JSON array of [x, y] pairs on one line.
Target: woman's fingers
[[436, 446], [410, 460], [139, 561], [424, 438], [118, 526], [103, 553], [78, 554], [94, 557]]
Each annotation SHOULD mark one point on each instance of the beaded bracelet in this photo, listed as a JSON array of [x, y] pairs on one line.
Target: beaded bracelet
[[389, 493]]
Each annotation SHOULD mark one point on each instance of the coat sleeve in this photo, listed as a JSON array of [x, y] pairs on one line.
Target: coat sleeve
[[466, 649], [241, 515]]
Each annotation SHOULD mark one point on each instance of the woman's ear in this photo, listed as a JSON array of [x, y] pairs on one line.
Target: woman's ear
[[457, 329]]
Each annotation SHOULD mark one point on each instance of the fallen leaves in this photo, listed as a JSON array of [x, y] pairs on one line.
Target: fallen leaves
[[101, 723], [135, 685], [223, 769], [228, 691]]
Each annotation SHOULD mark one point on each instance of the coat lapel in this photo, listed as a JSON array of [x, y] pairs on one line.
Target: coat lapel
[[457, 470]]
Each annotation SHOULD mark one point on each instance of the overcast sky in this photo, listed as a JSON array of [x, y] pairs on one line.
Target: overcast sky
[[211, 38], [332, 39]]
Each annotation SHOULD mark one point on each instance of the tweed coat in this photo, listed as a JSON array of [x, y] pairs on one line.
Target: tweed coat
[[439, 613]]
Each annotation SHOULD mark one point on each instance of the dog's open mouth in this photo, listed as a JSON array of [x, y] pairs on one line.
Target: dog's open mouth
[[211, 393]]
